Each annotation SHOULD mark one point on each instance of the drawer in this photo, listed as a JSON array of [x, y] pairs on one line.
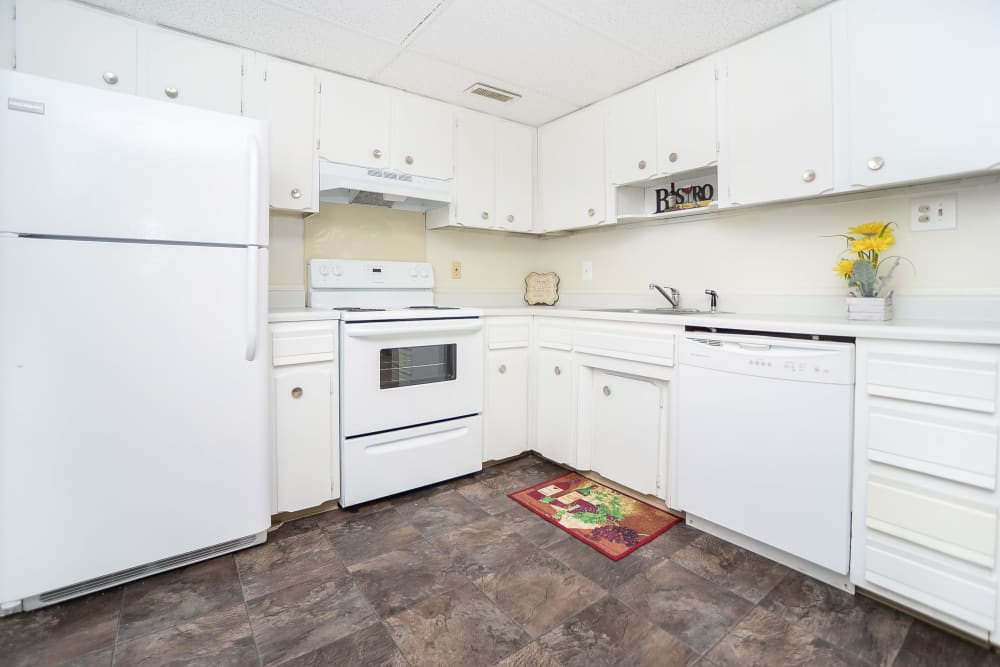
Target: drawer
[[303, 343], [646, 344], [507, 332], [944, 443], [554, 337], [916, 577], [939, 377], [946, 524]]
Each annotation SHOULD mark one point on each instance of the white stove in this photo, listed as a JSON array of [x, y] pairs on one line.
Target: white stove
[[411, 377]]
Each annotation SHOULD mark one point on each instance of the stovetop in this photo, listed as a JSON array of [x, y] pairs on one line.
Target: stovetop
[[360, 309]]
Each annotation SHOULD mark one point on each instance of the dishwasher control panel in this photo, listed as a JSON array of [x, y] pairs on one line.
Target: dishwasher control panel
[[779, 358]]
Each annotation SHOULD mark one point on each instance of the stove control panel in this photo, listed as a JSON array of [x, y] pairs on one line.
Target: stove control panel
[[369, 274]]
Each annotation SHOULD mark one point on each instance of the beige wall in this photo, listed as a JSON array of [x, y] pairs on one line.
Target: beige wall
[[365, 232]]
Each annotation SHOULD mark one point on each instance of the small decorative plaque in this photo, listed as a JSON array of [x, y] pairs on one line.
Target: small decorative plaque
[[541, 289]]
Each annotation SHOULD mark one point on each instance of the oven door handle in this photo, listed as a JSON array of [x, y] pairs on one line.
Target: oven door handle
[[425, 328]]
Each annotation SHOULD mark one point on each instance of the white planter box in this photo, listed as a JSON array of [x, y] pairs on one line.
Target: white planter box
[[876, 309]]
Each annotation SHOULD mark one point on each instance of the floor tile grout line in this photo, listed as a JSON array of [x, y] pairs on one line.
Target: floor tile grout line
[[246, 610], [118, 626]]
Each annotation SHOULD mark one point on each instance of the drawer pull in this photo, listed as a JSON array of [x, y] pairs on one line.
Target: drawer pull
[[376, 153], [606, 390], [171, 92], [297, 392], [503, 368], [110, 78], [557, 370]]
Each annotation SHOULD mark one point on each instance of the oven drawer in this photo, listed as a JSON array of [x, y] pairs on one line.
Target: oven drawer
[[375, 466]]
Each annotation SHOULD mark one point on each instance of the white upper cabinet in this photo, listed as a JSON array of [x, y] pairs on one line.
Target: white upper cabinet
[[421, 141], [686, 117], [186, 70], [285, 95], [71, 42], [475, 170], [354, 122], [924, 100], [515, 176], [632, 124], [572, 173], [778, 114]]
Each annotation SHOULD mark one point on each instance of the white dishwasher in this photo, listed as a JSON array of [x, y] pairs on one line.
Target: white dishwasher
[[764, 441]]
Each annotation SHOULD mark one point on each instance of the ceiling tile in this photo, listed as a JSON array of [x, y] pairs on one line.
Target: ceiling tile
[[391, 20], [523, 42], [447, 82]]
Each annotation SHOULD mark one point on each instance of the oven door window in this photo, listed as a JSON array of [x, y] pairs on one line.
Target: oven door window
[[423, 364]]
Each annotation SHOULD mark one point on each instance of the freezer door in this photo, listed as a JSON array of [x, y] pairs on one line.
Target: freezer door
[[82, 162], [133, 406]]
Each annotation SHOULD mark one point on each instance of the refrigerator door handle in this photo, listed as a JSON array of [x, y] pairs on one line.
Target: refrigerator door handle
[[253, 192], [252, 300]]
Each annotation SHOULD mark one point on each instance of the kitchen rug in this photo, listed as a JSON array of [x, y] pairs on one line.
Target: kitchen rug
[[610, 521]]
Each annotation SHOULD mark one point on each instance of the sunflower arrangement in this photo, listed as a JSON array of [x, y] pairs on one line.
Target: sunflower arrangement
[[868, 273]]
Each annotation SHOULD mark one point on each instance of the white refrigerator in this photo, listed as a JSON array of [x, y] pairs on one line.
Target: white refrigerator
[[133, 356]]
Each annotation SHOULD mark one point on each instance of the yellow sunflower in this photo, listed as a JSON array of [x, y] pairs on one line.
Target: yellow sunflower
[[876, 243], [844, 267], [873, 228]]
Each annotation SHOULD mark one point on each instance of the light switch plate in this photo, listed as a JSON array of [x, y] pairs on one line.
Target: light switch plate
[[933, 212], [587, 270]]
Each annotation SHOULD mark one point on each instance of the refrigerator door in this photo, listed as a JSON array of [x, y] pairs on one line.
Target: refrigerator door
[[82, 162], [133, 406]]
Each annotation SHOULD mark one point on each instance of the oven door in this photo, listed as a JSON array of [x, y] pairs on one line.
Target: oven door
[[404, 373]]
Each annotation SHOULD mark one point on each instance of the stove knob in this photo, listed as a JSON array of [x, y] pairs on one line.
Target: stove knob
[[324, 269], [338, 270], [413, 272], [424, 272]]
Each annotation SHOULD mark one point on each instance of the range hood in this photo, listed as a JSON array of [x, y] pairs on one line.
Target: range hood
[[349, 184]]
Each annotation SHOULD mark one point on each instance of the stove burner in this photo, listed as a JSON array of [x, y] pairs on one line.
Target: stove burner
[[432, 308], [356, 309]]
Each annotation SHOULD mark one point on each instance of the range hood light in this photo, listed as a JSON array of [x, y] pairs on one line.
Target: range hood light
[[393, 198], [347, 184]]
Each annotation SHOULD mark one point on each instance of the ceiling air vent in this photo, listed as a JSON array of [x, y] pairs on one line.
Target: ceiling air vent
[[483, 90]]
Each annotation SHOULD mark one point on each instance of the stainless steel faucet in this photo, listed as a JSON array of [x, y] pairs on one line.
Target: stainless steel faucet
[[715, 299], [674, 297]]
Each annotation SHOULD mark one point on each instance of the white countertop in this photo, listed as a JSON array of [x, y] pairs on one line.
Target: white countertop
[[963, 331]]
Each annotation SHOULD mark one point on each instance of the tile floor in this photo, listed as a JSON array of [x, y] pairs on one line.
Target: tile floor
[[458, 574]]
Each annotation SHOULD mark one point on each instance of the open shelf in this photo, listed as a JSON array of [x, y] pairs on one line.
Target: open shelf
[[669, 215]]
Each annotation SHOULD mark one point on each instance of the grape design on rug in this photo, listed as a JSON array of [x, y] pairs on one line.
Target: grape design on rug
[[610, 521]]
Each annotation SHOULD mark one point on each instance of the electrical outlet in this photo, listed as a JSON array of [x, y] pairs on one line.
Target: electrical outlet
[[587, 270], [456, 270], [933, 212]]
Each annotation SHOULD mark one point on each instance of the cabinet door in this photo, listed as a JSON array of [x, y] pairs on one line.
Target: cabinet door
[[185, 70], [923, 96], [554, 401], [354, 122], [288, 102], [626, 441], [505, 418], [422, 136], [779, 114], [305, 438], [686, 117], [475, 172], [71, 42], [571, 168], [515, 176], [632, 135]]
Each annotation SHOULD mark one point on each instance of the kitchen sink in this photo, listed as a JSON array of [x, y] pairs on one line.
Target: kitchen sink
[[655, 311]]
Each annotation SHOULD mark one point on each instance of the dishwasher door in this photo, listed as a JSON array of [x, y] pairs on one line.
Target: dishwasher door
[[764, 441]]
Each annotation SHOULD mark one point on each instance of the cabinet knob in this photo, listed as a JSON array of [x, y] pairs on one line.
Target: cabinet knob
[[642, 164], [875, 163], [376, 153], [510, 218], [296, 193], [672, 157], [485, 215], [503, 368], [808, 175], [590, 212], [557, 370], [171, 92], [110, 78], [297, 392], [606, 390], [409, 159]]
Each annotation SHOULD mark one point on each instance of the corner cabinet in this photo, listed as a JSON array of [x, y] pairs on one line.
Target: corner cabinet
[[777, 113], [926, 507], [286, 95], [306, 415], [572, 176], [505, 416], [923, 95]]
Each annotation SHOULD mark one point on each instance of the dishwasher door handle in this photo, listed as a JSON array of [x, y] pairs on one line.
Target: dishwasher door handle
[[757, 347]]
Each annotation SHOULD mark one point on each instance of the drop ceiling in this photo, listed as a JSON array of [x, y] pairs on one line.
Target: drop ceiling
[[559, 55]]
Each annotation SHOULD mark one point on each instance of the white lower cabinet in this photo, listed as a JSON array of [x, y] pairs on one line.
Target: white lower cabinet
[[554, 405], [926, 505], [505, 416], [306, 415], [626, 431]]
